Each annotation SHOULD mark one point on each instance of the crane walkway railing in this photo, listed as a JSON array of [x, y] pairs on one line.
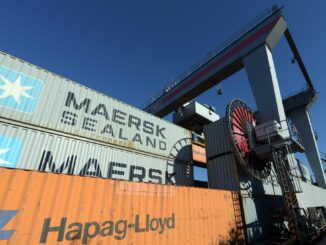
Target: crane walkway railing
[[323, 156], [323, 159]]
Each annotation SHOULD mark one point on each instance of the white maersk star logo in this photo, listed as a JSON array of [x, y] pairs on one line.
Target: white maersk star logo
[[10, 149], [14, 89], [3, 162], [19, 91]]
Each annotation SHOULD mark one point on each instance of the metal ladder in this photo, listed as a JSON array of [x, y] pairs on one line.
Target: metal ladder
[[288, 187], [239, 234]]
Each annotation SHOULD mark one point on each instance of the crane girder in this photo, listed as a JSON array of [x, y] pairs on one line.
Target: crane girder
[[222, 65]]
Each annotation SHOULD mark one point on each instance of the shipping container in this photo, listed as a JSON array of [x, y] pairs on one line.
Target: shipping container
[[224, 173], [44, 99], [199, 154], [217, 139], [27, 148], [223, 170], [39, 208]]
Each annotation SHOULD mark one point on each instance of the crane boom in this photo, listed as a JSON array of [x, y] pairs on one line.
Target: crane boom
[[221, 65]]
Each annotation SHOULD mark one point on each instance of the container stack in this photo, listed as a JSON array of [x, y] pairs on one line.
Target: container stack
[[258, 197], [71, 160], [51, 124]]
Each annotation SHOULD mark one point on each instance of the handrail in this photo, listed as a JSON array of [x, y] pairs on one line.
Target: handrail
[[323, 156], [290, 128], [212, 54]]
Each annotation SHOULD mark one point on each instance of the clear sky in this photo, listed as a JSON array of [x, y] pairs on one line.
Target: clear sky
[[130, 49]]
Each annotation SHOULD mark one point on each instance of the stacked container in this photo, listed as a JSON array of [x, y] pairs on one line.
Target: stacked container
[[64, 153], [49, 123], [258, 197], [47, 208]]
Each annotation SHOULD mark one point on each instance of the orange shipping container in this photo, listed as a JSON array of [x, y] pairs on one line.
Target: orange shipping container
[[198, 153], [38, 208]]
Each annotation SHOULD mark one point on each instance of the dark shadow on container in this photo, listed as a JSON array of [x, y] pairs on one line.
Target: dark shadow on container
[[179, 168], [258, 206], [234, 239]]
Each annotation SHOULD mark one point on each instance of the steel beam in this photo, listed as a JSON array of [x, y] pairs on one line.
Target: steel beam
[[261, 73], [301, 120]]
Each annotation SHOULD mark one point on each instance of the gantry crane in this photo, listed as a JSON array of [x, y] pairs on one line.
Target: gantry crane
[[251, 49]]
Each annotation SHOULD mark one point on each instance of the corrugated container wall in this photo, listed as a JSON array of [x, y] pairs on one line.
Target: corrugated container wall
[[43, 151], [101, 211], [217, 139], [222, 173], [223, 170], [52, 102]]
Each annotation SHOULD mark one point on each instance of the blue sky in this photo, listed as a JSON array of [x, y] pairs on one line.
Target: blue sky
[[129, 49]]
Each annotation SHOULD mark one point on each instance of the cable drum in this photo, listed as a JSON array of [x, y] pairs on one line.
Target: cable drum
[[240, 121]]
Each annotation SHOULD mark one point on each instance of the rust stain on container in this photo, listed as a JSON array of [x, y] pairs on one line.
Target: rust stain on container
[[39, 208]]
